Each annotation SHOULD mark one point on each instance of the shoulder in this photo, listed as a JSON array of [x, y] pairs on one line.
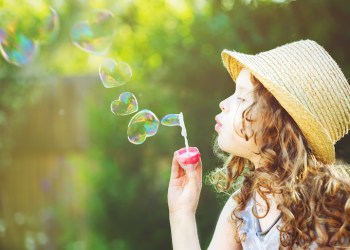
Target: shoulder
[[225, 231], [231, 203]]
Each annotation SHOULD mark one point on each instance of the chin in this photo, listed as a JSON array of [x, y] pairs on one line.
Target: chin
[[224, 146], [230, 148]]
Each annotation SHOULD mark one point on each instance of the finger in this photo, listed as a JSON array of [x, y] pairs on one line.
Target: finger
[[199, 172], [176, 169], [195, 174]]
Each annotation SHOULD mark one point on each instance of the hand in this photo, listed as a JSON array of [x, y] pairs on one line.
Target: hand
[[184, 188]]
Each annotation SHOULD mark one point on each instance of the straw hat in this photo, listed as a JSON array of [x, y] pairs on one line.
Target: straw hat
[[308, 84]]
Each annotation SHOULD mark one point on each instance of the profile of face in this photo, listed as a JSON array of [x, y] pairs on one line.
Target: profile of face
[[229, 122]]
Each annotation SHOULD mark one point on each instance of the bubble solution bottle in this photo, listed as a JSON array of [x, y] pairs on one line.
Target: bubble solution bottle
[[188, 157]]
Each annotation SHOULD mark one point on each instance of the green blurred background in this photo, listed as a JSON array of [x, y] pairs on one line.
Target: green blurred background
[[69, 177]]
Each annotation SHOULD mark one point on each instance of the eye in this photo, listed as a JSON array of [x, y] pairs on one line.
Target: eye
[[241, 99]]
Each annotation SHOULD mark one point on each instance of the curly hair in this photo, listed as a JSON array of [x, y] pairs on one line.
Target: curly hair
[[315, 205]]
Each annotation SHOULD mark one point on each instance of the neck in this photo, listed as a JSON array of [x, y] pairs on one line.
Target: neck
[[256, 160]]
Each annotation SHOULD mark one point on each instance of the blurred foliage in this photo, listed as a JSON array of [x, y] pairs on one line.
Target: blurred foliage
[[174, 50]]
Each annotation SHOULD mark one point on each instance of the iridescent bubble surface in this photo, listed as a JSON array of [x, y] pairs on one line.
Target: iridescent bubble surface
[[2, 35], [113, 74], [16, 48], [48, 27], [143, 124], [126, 104], [171, 120], [94, 35], [22, 30]]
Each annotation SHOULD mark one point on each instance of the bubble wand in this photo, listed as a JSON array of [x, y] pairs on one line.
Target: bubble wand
[[188, 157], [183, 130]]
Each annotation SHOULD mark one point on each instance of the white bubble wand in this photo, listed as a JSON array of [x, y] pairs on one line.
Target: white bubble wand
[[188, 157], [183, 130]]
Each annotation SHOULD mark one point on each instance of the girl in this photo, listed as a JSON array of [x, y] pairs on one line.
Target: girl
[[291, 105]]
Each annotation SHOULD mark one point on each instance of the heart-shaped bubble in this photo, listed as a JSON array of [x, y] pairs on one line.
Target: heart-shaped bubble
[[171, 120], [126, 104], [114, 74], [94, 35], [143, 124]]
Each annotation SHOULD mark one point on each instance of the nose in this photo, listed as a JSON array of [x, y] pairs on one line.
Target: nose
[[223, 105]]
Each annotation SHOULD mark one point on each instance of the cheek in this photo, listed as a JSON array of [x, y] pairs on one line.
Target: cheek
[[232, 131], [237, 124]]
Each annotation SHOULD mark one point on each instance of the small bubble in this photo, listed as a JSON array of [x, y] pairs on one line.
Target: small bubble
[[126, 104], [114, 74], [94, 35], [171, 120]]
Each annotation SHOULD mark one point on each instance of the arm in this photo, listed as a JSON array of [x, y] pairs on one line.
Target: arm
[[225, 231], [184, 232], [183, 196]]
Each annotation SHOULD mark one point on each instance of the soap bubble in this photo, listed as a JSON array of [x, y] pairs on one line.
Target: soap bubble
[[176, 120], [2, 35], [144, 124], [94, 35], [16, 48], [171, 120], [126, 104], [48, 27], [22, 30], [114, 74]]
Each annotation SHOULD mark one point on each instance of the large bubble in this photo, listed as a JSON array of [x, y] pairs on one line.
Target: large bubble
[[143, 124], [22, 30], [48, 27], [126, 104], [16, 48], [94, 35], [114, 74], [2, 35]]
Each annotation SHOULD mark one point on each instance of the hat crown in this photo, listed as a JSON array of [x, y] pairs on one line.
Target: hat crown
[[310, 74], [308, 84]]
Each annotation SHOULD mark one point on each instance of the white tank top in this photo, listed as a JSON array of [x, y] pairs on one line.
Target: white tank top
[[252, 238]]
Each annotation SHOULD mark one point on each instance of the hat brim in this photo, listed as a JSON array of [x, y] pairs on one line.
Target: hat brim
[[319, 141]]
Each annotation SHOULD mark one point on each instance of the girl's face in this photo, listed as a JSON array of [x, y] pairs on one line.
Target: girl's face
[[229, 121]]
